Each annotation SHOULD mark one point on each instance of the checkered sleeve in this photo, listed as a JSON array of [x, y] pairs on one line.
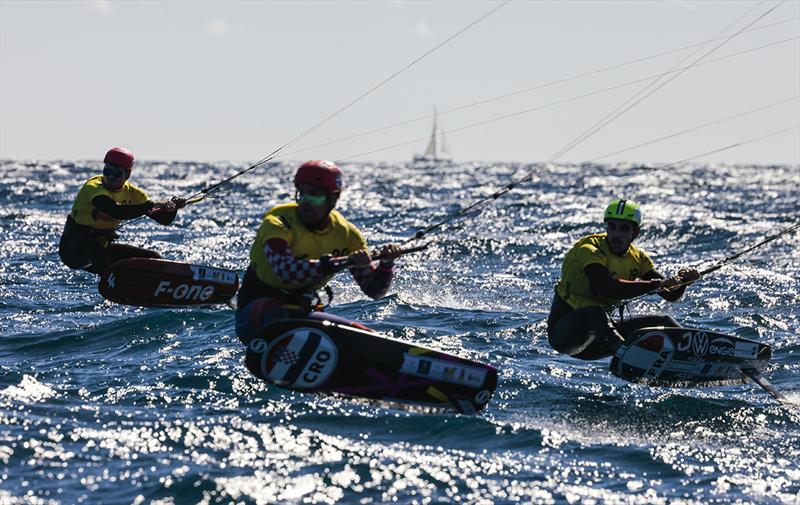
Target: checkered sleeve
[[374, 279], [293, 271]]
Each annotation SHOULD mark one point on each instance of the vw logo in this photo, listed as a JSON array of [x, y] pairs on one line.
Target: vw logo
[[700, 343]]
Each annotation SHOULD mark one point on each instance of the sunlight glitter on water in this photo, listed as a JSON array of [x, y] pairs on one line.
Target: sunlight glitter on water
[[101, 402]]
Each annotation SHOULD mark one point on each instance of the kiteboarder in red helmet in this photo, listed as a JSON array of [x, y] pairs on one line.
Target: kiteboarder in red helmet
[[102, 204], [598, 272], [295, 252]]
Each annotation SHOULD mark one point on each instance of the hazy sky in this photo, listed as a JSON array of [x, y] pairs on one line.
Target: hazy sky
[[192, 80]]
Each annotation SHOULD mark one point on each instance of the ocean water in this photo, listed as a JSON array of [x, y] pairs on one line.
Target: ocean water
[[102, 403]]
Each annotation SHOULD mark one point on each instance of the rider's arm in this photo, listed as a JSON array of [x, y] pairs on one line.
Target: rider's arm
[[671, 295], [674, 287], [107, 205], [163, 213], [375, 278], [605, 285], [293, 271]]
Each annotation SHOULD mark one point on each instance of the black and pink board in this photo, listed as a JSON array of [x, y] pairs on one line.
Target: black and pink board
[[688, 357], [318, 356], [160, 283]]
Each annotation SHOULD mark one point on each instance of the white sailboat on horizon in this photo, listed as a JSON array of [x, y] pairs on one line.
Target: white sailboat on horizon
[[438, 148]]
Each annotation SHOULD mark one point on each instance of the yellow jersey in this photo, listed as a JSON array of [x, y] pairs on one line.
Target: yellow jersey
[[83, 212], [339, 238], [574, 286]]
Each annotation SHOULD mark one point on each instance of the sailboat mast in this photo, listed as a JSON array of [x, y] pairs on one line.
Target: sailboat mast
[[431, 150], [437, 149]]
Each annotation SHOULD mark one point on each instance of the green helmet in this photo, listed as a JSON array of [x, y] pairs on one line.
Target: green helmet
[[625, 210]]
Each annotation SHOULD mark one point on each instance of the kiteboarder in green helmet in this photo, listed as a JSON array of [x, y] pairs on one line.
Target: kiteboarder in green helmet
[[598, 272]]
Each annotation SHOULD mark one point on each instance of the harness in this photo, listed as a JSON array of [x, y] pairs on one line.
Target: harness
[[74, 229], [309, 301]]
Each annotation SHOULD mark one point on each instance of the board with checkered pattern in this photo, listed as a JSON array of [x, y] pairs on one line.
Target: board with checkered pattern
[[317, 356]]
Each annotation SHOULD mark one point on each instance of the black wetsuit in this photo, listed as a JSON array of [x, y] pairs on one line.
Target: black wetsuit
[[93, 249], [592, 331]]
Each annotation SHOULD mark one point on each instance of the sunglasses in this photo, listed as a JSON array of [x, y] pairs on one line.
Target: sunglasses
[[311, 199], [623, 227], [114, 172]]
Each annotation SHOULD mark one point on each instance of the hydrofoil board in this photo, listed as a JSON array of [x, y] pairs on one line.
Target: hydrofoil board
[[318, 356], [688, 357], [160, 283]]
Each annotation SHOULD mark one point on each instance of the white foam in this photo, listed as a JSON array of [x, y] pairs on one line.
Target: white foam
[[29, 389]]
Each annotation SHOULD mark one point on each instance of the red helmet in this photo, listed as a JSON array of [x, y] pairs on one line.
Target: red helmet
[[120, 157], [320, 173]]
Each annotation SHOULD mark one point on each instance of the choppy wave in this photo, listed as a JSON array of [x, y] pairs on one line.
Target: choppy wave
[[113, 404]]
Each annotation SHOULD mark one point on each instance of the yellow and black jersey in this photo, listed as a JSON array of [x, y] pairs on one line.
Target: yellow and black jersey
[[574, 286]]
